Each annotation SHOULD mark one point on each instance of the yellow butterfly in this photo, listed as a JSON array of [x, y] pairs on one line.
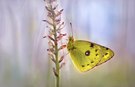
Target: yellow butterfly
[[86, 55]]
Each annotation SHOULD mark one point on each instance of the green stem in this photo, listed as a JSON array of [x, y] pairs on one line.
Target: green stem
[[56, 56]]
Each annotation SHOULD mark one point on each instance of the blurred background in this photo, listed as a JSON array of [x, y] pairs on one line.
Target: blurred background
[[23, 55]]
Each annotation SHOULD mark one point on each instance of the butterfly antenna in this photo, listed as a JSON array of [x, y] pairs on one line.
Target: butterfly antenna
[[71, 29]]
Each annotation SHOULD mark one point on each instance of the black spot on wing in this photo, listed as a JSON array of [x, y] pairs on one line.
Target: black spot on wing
[[91, 45], [96, 50], [92, 61], [106, 53], [87, 53], [107, 48], [96, 54], [88, 64], [83, 66]]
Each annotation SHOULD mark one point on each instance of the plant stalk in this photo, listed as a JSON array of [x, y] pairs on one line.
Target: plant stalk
[[57, 59]]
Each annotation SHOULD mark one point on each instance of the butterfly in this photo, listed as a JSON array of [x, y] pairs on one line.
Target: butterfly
[[86, 55]]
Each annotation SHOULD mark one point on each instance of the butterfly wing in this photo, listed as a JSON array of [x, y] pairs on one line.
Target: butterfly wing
[[86, 55], [107, 54]]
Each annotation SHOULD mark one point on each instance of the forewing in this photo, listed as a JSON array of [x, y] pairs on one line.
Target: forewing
[[106, 52], [86, 55]]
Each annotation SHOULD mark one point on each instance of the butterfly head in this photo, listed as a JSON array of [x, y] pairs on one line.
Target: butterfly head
[[71, 39], [70, 43]]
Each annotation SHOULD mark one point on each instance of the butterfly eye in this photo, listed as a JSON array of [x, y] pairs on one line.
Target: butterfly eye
[[87, 53]]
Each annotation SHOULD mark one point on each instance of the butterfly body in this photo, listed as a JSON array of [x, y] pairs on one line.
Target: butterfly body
[[86, 55]]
